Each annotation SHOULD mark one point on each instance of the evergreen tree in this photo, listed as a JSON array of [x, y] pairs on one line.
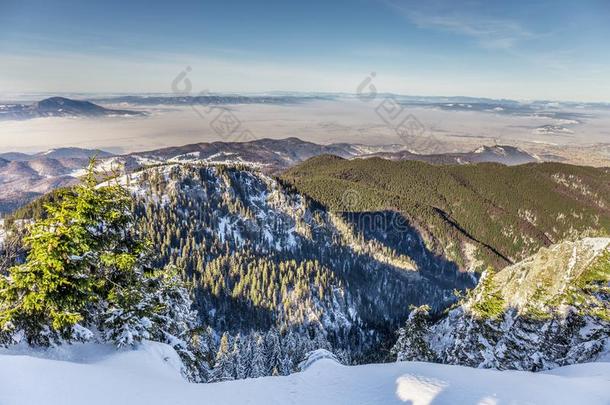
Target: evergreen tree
[[488, 302], [412, 343], [286, 364], [236, 356], [290, 354], [259, 368], [175, 319], [223, 367], [87, 273], [273, 352], [80, 255], [244, 360]]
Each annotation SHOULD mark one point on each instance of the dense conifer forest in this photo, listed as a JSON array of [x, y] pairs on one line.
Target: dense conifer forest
[[475, 215], [335, 254]]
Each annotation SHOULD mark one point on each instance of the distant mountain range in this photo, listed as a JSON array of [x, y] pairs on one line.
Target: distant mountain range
[[59, 107], [271, 155], [507, 155], [60, 153], [24, 177], [52, 106], [458, 103], [274, 155], [212, 99]]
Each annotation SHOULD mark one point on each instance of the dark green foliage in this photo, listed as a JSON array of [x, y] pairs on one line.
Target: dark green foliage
[[590, 292], [507, 212], [87, 270], [78, 254], [487, 297]]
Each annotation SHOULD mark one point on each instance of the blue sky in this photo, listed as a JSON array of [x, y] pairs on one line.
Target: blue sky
[[524, 50]]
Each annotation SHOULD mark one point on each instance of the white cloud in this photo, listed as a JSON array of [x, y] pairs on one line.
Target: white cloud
[[491, 33]]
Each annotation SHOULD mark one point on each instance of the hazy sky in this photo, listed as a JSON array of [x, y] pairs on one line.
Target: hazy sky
[[545, 49]]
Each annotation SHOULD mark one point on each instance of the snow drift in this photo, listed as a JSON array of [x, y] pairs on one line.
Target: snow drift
[[150, 374]]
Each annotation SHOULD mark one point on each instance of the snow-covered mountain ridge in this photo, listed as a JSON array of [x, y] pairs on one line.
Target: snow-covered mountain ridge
[[549, 310], [26, 176], [263, 257], [276, 274]]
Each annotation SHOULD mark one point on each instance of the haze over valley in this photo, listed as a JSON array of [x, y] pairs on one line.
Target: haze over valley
[[322, 203], [569, 132]]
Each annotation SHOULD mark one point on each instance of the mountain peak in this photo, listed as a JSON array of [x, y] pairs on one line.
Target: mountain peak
[[61, 107], [56, 103]]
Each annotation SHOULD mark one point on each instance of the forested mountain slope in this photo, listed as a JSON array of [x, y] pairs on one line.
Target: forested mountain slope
[[474, 215], [261, 256], [276, 274]]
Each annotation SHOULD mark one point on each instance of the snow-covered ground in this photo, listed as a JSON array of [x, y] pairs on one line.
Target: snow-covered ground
[[95, 374]]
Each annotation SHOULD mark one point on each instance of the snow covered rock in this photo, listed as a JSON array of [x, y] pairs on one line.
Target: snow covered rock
[[316, 355], [549, 310]]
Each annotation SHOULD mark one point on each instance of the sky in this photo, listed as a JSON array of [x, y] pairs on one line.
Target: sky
[[540, 49]]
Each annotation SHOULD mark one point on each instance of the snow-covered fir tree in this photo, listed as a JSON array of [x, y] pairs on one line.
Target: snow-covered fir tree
[[87, 275], [273, 352], [224, 367], [259, 367], [548, 311], [242, 353], [412, 343]]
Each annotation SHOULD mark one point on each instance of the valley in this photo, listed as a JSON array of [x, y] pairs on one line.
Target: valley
[[322, 202], [331, 254]]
